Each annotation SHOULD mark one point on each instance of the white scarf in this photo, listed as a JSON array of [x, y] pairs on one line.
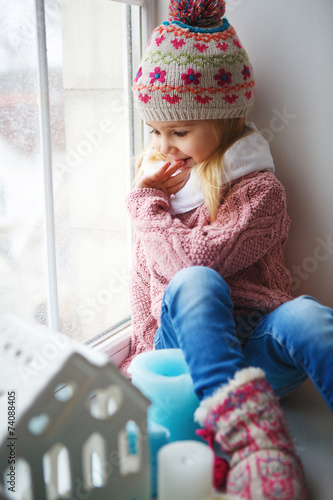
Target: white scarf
[[249, 154]]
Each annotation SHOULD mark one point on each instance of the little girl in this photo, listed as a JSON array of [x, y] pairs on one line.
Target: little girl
[[208, 276]]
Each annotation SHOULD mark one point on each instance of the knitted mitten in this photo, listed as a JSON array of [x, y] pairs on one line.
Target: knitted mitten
[[251, 428]]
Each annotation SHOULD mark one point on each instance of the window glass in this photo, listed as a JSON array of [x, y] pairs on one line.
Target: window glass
[[90, 65], [22, 270]]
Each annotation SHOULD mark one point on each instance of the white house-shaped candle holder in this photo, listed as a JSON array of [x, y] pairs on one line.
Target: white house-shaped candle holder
[[72, 426]]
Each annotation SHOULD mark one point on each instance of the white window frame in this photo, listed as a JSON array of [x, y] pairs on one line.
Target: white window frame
[[117, 344]]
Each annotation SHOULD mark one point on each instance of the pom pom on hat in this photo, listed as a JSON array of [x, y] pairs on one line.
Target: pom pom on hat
[[196, 12]]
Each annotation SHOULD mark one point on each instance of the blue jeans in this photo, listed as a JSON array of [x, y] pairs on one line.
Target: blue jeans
[[292, 343]]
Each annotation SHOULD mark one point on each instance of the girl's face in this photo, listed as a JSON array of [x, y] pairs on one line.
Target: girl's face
[[190, 141]]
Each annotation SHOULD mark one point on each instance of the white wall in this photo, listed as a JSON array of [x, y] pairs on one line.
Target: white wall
[[290, 47]]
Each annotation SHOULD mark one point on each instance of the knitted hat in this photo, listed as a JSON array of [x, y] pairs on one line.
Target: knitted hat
[[195, 67]]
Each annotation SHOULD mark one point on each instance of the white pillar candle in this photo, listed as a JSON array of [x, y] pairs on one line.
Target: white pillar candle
[[185, 471]]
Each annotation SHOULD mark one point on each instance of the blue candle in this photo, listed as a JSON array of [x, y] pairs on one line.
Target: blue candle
[[158, 436], [164, 378]]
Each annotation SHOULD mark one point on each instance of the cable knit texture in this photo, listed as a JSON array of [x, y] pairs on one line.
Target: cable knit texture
[[244, 244]]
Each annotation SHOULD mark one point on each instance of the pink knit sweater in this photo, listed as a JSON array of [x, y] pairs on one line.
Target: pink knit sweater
[[244, 245]]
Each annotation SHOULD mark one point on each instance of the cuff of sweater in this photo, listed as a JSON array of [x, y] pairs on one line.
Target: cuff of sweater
[[144, 203]]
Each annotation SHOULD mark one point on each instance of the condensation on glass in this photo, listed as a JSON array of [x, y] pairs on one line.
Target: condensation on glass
[[91, 123]]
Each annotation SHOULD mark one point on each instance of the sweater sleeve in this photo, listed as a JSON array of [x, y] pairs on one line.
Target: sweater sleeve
[[251, 220], [144, 324]]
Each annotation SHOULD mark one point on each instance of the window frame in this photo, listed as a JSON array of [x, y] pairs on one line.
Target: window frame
[[116, 340], [117, 344]]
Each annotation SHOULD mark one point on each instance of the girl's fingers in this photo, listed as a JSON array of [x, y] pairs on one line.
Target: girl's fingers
[[176, 179], [154, 178], [175, 183], [167, 170], [177, 187], [165, 178]]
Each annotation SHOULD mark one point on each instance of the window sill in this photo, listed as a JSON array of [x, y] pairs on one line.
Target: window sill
[[116, 346]]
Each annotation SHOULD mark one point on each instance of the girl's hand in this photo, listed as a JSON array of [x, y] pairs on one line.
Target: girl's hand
[[164, 179]]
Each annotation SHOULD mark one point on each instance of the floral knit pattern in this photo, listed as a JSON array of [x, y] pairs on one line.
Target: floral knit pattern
[[223, 78], [250, 426], [191, 77], [190, 60], [244, 244]]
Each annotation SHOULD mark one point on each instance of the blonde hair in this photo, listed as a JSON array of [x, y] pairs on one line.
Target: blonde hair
[[209, 172]]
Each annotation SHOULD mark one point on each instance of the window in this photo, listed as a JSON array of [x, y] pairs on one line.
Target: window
[[93, 48]]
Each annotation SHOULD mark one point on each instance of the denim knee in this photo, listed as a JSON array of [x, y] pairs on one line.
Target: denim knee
[[303, 331], [196, 315], [200, 280], [308, 319], [303, 326]]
